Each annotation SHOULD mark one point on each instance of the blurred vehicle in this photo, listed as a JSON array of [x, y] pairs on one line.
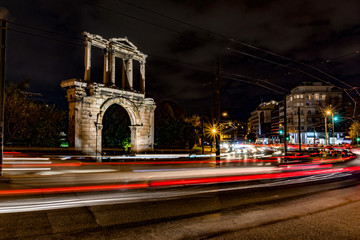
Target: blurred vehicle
[[313, 151], [347, 153]]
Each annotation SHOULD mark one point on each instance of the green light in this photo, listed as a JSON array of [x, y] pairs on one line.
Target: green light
[[358, 139], [64, 144], [287, 138], [336, 118], [281, 132]]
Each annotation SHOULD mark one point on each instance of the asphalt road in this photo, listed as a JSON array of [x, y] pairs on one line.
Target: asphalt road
[[216, 214], [256, 209]]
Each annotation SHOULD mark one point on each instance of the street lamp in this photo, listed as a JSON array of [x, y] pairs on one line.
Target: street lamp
[[330, 112], [327, 113]]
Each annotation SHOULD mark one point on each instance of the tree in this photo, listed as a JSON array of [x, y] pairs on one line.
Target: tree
[[172, 130], [116, 132], [355, 131], [31, 123]]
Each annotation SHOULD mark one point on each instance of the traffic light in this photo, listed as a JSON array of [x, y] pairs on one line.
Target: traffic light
[[281, 132], [358, 139], [287, 138]]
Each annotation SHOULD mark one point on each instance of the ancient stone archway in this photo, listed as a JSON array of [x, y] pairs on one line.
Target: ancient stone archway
[[88, 101]]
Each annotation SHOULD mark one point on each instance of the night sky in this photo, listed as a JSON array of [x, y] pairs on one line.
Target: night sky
[[184, 39]]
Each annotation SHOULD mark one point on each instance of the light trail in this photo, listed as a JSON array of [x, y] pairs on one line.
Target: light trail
[[26, 158], [193, 181], [106, 198], [26, 169], [177, 182]]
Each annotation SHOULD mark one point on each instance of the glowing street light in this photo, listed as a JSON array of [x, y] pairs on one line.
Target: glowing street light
[[329, 112]]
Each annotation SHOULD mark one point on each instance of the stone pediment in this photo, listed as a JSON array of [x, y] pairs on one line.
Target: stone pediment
[[123, 42]]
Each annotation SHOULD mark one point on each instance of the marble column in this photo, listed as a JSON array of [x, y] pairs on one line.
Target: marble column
[[106, 67], [142, 76], [87, 61], [112, 67]]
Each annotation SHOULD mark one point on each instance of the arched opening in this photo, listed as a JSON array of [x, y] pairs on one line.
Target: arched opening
[[116, 132]]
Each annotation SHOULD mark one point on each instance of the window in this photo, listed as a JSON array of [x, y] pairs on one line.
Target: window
[[316, 96], [302, 120], [302, 128], [301, 96], [323, 97], [290, 98], [309, 96], [309, 112], [309, 119]]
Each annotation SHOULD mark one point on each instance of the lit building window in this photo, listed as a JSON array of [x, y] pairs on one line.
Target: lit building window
[[323, 97], [301, 96], [290, 98], [309, 96], [316, 96]]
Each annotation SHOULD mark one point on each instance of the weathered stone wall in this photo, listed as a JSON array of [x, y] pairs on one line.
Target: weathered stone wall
[[88, 103]]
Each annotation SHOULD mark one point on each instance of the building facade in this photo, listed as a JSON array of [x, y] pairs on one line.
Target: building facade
[[261, 123], [306, 108]]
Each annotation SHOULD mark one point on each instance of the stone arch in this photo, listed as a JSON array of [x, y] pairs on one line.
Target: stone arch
[[88, 101], [133, 113], [129, 106]]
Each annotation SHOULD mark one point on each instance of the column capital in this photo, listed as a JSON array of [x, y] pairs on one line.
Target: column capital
[[98, 126], [88, 42]]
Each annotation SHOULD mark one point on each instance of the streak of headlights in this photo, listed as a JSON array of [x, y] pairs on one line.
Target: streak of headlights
[[91, 199]]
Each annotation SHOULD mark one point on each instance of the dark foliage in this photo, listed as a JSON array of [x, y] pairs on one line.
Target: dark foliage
[[116, 131], [31, 123]]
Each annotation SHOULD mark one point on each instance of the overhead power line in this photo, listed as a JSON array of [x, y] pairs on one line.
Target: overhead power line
[[173, 61], [257, 79], [280, 64], [254, 83], [236, 41]]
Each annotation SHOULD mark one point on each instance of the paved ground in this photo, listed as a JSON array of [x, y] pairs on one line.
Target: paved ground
[[326, 215]]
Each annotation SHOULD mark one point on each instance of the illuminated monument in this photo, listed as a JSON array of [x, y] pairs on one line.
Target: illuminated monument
[[88, 101]]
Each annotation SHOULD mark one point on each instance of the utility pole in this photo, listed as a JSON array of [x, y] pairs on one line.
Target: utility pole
[[217, 109], [285, 127], [333, 126], [2, 90], [326, 138], [299, 131], [202, 137]]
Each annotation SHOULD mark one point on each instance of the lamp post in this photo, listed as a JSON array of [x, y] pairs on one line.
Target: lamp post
[[327, 113], [325, 131], [334, 119]]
